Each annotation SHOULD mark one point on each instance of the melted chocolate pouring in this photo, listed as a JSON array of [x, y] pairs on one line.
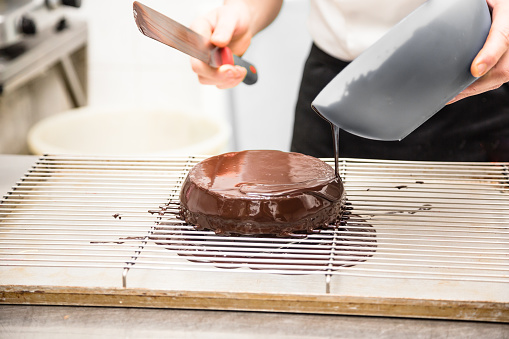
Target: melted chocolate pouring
[[335, 137]]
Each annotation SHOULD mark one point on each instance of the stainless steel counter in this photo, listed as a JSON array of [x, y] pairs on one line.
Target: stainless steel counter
[[81, 322], [23, 321]]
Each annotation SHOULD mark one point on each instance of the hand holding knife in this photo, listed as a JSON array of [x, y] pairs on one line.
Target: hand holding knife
[[169, 32]]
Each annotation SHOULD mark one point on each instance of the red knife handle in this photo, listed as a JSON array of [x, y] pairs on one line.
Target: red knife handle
[[228, 57]]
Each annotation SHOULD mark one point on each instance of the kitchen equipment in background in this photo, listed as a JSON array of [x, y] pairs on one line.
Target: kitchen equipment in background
[[42, 70], [423, 240], [410, 73], [22, 18], [169, 32], [120, 131], [31, 40]]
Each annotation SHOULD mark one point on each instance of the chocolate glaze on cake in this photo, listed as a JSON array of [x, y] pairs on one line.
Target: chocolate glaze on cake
[[261, 192]]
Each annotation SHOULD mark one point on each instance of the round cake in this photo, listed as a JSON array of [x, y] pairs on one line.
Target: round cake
[[261, 192]]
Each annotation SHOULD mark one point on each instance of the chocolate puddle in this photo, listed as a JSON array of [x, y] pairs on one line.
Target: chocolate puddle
[[355, 242]]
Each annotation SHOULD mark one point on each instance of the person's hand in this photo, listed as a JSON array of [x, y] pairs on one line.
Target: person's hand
[[492, 62], [227, 25]]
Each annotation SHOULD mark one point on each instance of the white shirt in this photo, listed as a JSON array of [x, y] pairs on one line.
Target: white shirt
[[345, 28]]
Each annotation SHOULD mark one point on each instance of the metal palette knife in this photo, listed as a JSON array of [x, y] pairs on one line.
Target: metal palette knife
[[410, 73], [163, 29]]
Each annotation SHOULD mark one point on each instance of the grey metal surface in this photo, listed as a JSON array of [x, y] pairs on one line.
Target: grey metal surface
[[94, 322], [10, 13], [44, 51]]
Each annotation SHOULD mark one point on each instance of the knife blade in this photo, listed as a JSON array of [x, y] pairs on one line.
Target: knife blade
[[159, 27]]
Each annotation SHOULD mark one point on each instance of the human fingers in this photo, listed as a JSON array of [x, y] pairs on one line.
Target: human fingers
[[492, 62], [231, 28], [233, 75], [497, 43], [225, 26], [495, 78], [226, 76], [219, 26]]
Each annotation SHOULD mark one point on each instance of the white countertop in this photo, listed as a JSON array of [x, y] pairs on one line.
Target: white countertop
[[12, 168]]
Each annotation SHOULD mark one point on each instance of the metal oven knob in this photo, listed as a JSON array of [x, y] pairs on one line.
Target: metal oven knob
[[72, 3], [28, 26], [53, 4]]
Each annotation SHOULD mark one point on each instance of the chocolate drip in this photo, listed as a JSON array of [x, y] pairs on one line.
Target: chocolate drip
[[335, 137]]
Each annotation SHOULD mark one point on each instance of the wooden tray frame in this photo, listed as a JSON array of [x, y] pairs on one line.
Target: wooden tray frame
[[261, 302]]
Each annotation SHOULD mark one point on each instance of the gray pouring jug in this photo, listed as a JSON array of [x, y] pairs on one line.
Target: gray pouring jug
[[410, 73]]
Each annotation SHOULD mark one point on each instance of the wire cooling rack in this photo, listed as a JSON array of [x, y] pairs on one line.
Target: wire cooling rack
[[404, 220]]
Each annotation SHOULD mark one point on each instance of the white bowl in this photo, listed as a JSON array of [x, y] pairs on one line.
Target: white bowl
[[152, 132]]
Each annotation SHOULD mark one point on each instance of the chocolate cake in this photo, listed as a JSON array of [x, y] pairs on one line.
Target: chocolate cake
[[261, 192]]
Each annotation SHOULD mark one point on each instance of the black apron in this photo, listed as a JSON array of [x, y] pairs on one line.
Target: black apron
[[472, 129]]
